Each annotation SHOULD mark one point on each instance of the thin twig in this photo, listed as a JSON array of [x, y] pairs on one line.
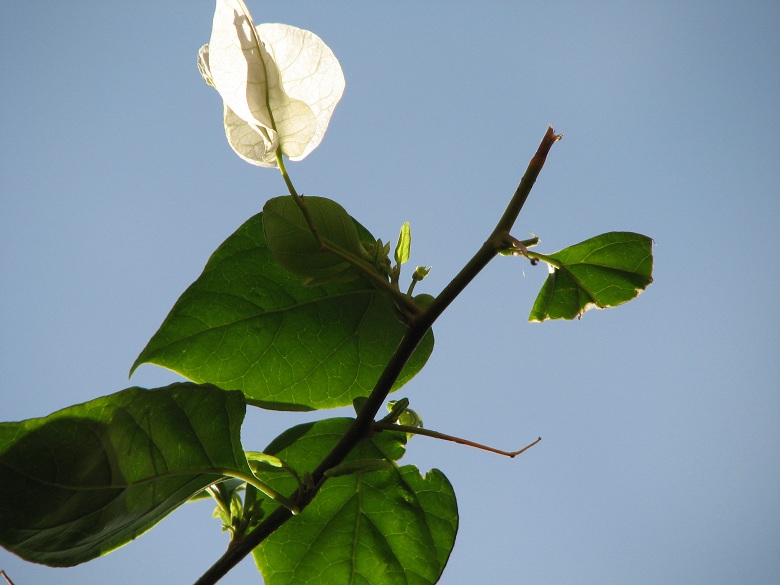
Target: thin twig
[[7, 578], [386, 426], [418, 327]]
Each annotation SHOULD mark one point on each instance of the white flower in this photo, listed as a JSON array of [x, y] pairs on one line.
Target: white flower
[[279, 84]]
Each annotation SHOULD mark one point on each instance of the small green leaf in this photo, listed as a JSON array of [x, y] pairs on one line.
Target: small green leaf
[[292, 245], [604, 271], [391, 526], [404, 245], [264, 458], [264, 461], [88, 479], [248, 324]]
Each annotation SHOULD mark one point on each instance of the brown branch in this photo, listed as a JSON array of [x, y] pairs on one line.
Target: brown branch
[[388, 426]]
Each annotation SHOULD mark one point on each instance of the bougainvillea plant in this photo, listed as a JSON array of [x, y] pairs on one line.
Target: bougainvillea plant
[[302, 308]]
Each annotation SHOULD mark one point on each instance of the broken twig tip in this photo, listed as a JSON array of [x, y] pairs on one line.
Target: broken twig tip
[[550, 131]]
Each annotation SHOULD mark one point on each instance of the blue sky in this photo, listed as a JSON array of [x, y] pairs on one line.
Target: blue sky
[[660, 459]]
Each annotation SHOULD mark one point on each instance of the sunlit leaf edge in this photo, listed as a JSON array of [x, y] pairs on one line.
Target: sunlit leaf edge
[[565, 275]]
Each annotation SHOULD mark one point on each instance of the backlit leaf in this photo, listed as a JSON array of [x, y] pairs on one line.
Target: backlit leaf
[[404, 246], [292, 244], [389, 527], [248, 324], [604, 271], [90, 478]]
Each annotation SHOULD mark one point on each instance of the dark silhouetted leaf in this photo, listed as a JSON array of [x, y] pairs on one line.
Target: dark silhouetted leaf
[[87, 479]]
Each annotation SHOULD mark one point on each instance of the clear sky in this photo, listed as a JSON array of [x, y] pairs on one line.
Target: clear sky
[[660, 459]]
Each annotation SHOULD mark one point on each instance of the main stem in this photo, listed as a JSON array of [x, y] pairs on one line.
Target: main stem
[[418, 327]]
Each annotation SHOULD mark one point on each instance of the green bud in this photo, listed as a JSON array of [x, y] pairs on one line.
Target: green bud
[[421, 272], [410, 418]]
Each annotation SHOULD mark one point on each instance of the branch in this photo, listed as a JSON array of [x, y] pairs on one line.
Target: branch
[[418, 327], [388, 426]]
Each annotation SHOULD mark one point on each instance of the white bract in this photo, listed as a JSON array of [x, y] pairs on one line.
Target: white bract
[[279, 84]]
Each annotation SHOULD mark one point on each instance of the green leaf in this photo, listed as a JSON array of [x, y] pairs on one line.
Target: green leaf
[[248, 324], [88, 479], [357, 466], [292, 245], [604, 271], [404, 245], [391, 526]]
